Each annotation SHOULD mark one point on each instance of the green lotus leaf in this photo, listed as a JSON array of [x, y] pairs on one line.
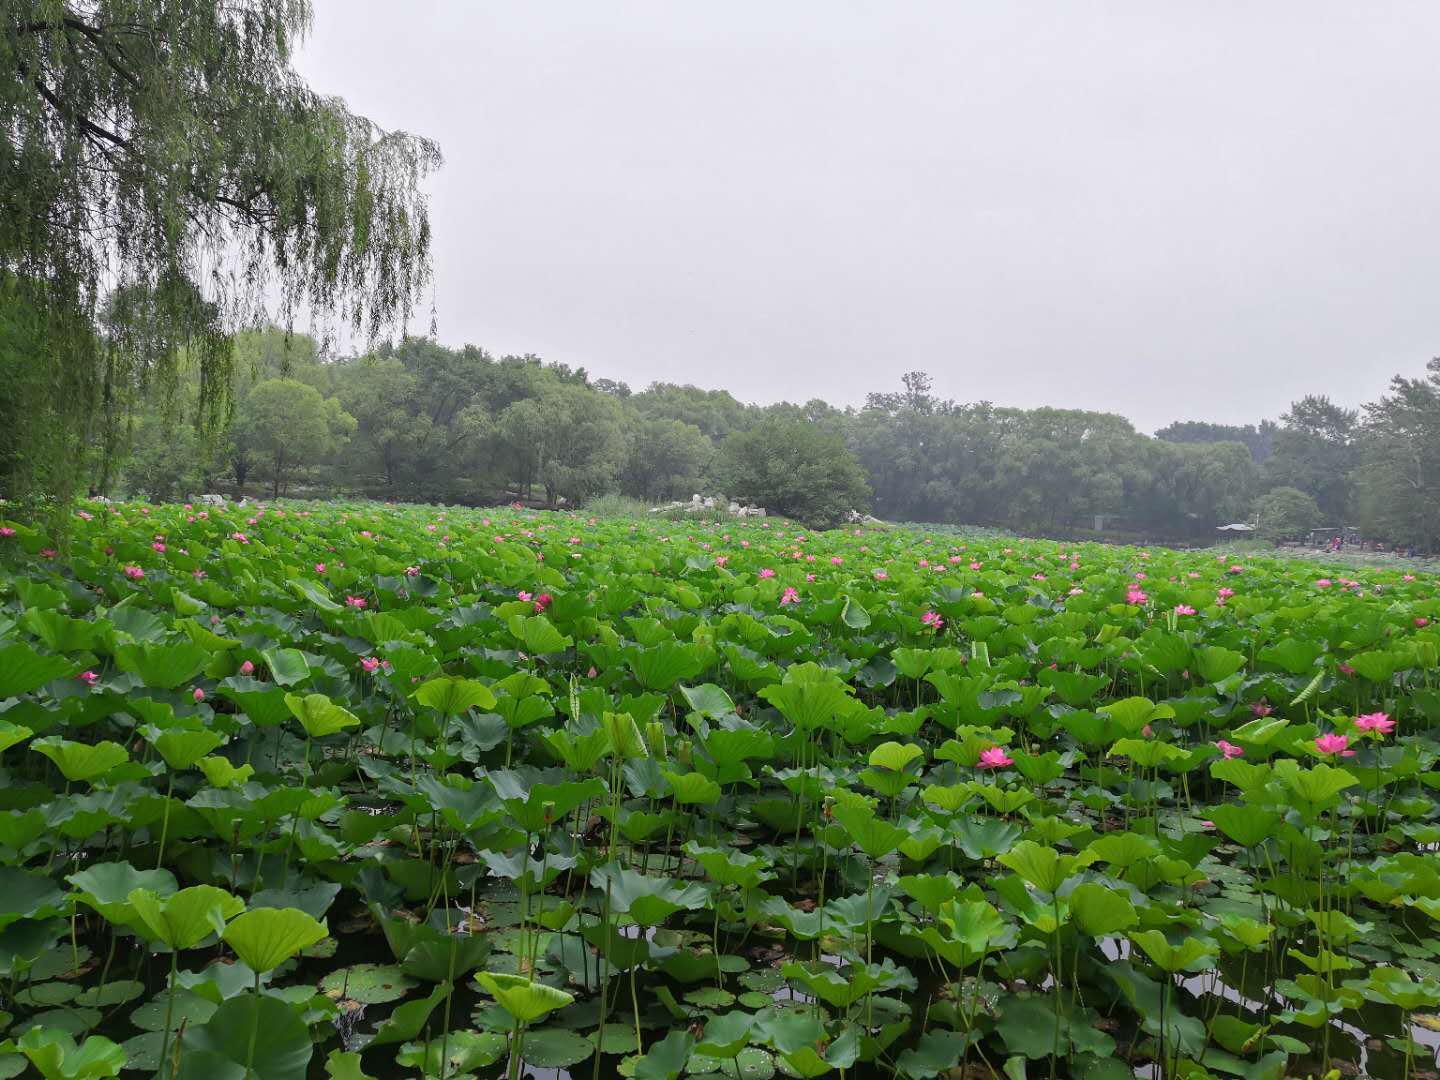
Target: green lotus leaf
[[1100, 911], [81, 762], [524, 999], [184, 919], [453, 696], [248, 1036], [22, 669], [318, 715], [265, 938]]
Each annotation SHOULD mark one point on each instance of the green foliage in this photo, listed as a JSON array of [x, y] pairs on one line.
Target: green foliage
[[286, 195], [793, 468], [1286, 513], [286, 425], [948, 838]]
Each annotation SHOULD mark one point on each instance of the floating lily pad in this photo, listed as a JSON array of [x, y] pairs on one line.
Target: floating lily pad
[[59, 963], [764, 980], [142, 1052], [619, 1039], [371, 984], [46, 994], [753, 999], [703, 1064], [755, 1063], [710, 997], [75, 1021], [190, 1009], [556, 1048], [114, 992], [463, 1052]]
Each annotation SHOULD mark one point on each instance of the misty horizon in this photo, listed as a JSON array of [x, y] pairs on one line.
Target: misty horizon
[[1164, 213]]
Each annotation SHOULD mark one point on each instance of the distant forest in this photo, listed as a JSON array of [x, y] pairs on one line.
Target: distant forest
[[418, 421]]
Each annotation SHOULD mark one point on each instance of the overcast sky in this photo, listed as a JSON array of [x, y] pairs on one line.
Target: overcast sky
[[1165, 210]]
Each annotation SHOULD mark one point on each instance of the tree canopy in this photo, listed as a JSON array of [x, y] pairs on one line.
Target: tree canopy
[[796, 469], [164, 174]]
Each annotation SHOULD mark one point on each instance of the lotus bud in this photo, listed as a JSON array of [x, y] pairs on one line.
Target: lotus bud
[[655, 738], [547, 811]]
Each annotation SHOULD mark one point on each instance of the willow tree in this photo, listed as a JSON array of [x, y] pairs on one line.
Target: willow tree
[[165, 178]]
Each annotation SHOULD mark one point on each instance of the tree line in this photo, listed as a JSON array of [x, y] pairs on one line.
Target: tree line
[[417, 420]]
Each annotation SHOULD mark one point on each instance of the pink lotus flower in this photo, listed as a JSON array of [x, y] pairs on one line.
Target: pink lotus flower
[[789, 596], [89, 678], [6, 532], [1225, 592], [523, 595], [1076, 591], [198, 695], [134, 573], [370, 664], [1261, 708], [767, 573], [543, 601], [1375, 721], [994, 758], [1236, 569], [357, 602], [721, 560], [319, 567], [1037, 577], [247, 668], [932, 619], [197, 573], [1229, 750], [1421, 620], [976, 565], [158, 546], [809, 577], [1346, 669], [1139, 577], [1184, 609], [1147, 731], [412, 571], [1334, 744], [836, 560], [1136, 596], [1408, 577], [1323, 583], [240, 538]]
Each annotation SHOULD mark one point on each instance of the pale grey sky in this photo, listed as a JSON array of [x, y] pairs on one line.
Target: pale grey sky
[[1167, 210]]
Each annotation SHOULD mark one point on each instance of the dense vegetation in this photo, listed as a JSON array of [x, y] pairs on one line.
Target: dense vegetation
[[418, 792], [164, 173], [422, 422]]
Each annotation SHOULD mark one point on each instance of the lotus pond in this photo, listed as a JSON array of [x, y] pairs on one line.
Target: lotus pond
[[363, 790]]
